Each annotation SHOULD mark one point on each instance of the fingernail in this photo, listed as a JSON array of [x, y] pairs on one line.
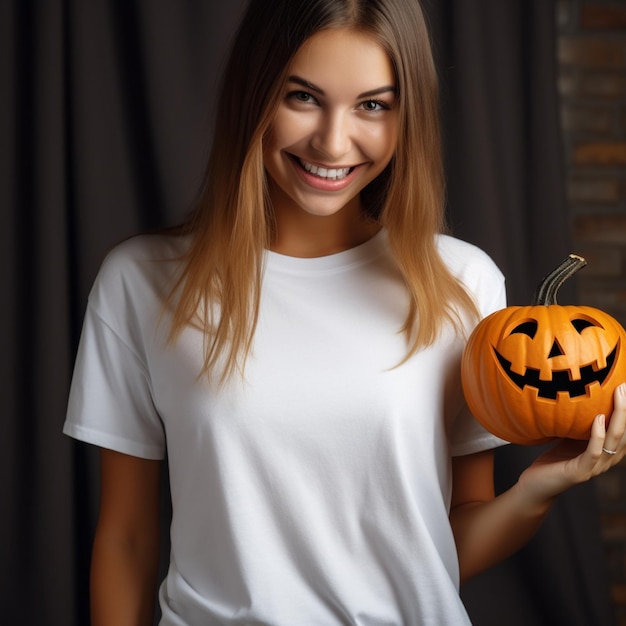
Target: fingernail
[[602, 419]]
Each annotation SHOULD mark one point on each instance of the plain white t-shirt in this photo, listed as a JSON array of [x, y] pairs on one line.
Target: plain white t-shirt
[[316, 491]]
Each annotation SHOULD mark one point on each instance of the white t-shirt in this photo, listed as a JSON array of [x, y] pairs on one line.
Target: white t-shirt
[[317, 491]]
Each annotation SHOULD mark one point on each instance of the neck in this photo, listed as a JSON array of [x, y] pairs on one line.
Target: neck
[[321, 236], [301, 234]]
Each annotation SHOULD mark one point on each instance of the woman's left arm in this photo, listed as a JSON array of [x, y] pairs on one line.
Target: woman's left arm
[[488, 529]]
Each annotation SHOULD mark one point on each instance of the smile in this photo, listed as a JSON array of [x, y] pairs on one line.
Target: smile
[[560, 381], [325, 173]]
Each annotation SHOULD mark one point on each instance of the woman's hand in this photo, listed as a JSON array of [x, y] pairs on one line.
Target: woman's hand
[[571, 462], [488, 529]]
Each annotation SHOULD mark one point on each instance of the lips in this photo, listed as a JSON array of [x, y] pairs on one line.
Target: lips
[[560, 382]]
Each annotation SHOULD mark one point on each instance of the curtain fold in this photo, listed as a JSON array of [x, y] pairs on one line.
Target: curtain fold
[[501, 119], [105, 116], [35, 466]]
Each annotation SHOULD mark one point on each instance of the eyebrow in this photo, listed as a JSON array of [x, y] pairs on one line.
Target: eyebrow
[[366, 94]]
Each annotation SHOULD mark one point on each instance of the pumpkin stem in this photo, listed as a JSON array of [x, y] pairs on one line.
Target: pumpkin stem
[[548, 287]]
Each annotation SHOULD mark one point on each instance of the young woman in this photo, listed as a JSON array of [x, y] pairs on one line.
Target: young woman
[[294, 349]]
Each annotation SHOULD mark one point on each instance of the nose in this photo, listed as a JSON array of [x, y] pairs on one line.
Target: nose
[[332, 137], [556, 350]]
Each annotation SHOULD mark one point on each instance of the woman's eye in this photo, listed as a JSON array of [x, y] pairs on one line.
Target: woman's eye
[[374, 105], [301, 96]]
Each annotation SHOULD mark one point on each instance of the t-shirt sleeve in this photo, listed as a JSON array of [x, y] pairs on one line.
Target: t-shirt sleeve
[[110, 403], [468, 436]]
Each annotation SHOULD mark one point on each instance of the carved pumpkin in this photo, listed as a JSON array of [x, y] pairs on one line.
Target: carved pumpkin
[[534, 373]]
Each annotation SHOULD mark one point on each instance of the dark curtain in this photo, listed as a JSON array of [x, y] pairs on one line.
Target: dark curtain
[[105, 119], [498, 70]]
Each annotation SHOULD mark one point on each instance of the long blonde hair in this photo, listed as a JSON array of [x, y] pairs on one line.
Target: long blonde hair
[[231, 226]]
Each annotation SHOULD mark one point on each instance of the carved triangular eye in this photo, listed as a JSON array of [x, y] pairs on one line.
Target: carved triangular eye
[[581, 324], [527, 328]]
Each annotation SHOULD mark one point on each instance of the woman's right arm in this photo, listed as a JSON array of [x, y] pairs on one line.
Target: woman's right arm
[[125, 559]]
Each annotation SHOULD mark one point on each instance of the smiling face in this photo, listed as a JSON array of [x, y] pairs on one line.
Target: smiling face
[[335, 129]]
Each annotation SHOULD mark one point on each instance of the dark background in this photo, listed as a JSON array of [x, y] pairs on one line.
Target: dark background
[[105, 121]]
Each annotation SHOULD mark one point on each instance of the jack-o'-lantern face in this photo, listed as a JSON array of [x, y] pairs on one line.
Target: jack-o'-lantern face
[[531, 374], [557, 354], [535, 373]]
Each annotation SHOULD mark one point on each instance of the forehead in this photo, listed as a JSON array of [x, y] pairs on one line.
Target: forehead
[[342, 59]]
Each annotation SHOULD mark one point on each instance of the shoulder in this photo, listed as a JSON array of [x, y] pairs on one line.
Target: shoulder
[[476, 270], [143, 257], [141, 252], [463, 258], [141, 269]]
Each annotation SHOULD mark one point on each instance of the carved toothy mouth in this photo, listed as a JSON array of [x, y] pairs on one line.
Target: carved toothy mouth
[[560, 379]]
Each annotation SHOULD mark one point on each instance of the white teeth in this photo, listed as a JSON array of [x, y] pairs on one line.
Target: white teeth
[[323, 172]]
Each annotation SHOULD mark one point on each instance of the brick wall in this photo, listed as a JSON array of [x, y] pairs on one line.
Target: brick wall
[[592, 85]]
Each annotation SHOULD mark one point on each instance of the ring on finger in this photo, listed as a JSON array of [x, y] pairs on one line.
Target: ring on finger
[[611, 452]]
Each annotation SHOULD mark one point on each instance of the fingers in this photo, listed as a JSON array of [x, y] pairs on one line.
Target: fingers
[[615, 439], [566, 464], [592, 462]]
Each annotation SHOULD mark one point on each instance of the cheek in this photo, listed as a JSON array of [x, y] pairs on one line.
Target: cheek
[[389, 140], [383, 142], [276, 141], [288, 129]]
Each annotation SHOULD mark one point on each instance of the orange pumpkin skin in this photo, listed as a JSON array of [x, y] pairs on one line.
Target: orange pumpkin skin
[[531, 389]]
